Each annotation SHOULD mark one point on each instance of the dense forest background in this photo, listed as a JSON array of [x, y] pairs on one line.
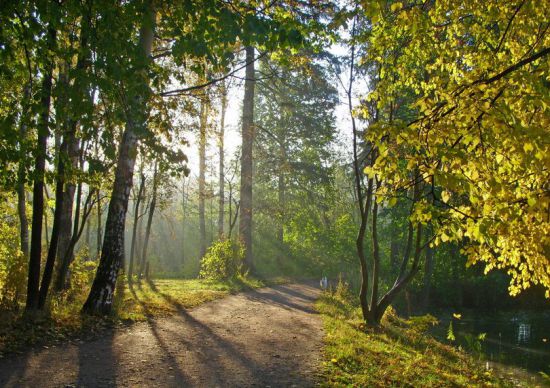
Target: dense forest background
[[321, 133]]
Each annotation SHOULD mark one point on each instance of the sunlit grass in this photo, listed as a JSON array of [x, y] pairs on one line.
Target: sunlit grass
[[399, 354], [144, 300]]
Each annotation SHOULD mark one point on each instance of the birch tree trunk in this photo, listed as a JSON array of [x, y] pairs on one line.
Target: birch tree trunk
[[100, 299]]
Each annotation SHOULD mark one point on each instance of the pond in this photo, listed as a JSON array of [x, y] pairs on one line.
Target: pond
[[519, 339]]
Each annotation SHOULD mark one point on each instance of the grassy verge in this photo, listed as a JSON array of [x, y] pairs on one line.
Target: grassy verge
[[399, 354], [141, 302]]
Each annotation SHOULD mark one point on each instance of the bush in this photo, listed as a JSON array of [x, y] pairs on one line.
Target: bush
[[223, 261], [13, 264]]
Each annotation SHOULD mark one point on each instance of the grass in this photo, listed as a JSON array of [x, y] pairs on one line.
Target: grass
[[400, 354], [144, 301]]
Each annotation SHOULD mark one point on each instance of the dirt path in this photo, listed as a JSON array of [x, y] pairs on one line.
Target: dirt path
[[267, 337]]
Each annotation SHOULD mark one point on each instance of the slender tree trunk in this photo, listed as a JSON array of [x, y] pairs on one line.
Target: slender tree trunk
[[66, 218], [135, 227], [245, 222], [21, 191], [221, 182], [46, 228], [112, 255], [52, 251], [99, 236], [35, 254], [281, 192], [63, 282], [152, 206], [202, 183], [65, 254], [184, 211], [88, 227], [375, 260]]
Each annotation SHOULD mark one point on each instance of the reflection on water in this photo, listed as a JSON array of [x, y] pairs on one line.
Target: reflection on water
[[520, 339], [524, 332]]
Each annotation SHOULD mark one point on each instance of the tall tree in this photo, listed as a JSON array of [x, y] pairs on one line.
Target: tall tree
[[152, 206], [202, 171], [79, 101], [247, 132], [138, 199], [21, 179], [221, 151], [100, 298], [35, 255]]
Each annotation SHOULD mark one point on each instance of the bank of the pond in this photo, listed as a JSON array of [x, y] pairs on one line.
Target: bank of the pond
[[519, 339], [142, 301], [400, 354]]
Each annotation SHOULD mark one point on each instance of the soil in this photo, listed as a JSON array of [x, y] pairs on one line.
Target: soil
[[271, 337]]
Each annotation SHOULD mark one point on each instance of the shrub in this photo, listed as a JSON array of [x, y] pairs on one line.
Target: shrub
[[13, 264], [223, 260]]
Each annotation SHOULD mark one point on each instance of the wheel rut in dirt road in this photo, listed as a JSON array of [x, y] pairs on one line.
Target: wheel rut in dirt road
[[266, 337]]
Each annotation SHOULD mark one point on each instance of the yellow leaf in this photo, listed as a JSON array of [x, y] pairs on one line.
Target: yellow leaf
[[457, 316], [396, 7], [527, 147]]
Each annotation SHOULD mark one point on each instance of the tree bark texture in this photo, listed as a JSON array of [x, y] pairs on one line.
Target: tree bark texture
[[245, 221]]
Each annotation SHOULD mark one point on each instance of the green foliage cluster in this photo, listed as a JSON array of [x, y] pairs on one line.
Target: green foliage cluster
[[13, 266], [223, 261]]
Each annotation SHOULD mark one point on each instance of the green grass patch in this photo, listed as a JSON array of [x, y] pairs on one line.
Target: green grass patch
[[142, 301], [399, 354]]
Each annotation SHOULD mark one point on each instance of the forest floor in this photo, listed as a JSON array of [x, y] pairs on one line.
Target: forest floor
[[400, 353], [266, 337]]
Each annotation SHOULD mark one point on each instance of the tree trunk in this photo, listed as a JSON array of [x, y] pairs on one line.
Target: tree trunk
[[134, 228], [65, 257], [21, 177], [144, 261], [202, 183], [65, 253], [100, 299], [245, 222], [35, 255], [221, 182], [88, 234], [281, 192], [52, 251], [184, 211], [99, 224]]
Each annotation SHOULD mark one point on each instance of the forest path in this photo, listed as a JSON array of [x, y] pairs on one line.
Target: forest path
[[266, 337]]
